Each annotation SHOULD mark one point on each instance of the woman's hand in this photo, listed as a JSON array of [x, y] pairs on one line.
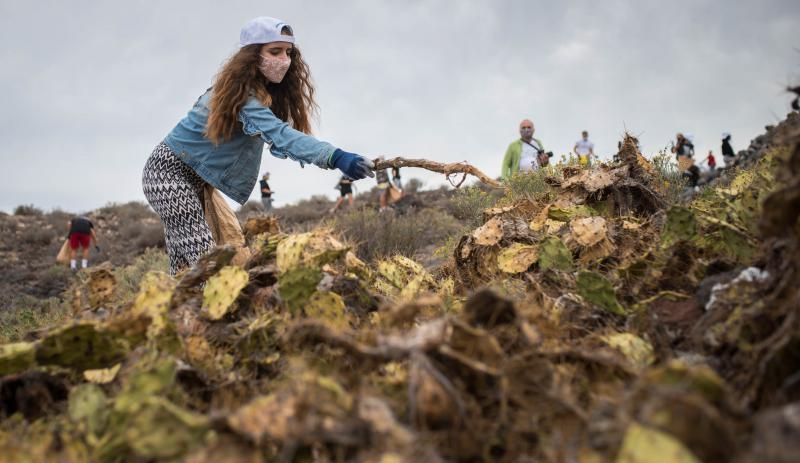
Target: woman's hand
[[352, 165]]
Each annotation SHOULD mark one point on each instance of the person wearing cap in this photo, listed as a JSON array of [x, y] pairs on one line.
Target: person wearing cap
[[525, 154], [266, 192], [262, 95], [584, 149], [728, 156]]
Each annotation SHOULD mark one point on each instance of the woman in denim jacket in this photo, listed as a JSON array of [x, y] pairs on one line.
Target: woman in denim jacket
[[263, 94]]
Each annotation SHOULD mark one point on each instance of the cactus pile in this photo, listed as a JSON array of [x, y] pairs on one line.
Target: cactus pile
[[596, 323]]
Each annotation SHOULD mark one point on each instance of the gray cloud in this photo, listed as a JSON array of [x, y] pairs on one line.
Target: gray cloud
[[90, 88]]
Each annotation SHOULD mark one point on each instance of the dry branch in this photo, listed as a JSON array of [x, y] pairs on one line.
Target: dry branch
[[446, 169]]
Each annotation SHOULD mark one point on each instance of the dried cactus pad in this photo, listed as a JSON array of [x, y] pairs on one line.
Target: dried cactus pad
[[517, 257]]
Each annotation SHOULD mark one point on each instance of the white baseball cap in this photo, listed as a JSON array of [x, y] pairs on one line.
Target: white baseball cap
[[264, 30]]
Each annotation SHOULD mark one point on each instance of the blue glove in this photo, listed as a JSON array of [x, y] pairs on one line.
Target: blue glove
[[354, 166]]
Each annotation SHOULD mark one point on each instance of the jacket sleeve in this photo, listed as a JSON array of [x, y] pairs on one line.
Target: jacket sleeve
[[284, 141], [505, 169]]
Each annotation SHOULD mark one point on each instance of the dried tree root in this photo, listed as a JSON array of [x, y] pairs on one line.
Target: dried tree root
[[419, 361], [446, 169]]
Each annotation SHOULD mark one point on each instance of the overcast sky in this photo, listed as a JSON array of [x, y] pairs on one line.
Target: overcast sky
[[90, 87]]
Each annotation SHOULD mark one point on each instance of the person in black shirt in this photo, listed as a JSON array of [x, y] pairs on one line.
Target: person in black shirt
[[727, 150], [266, 192], [692, 176], [81, 234], [345, 187]]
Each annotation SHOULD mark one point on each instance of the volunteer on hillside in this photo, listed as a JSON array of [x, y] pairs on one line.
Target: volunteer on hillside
[[584, 149], [728, 155], [266, 192], [525, 154], [81, 235], [262, 94]]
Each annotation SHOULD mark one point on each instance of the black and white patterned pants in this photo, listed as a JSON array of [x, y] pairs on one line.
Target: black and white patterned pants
[[175, 192]]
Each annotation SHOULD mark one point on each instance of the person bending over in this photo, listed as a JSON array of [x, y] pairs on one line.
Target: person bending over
[[262, 94]]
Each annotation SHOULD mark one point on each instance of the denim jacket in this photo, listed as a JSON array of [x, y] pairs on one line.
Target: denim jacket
[[232, 166]]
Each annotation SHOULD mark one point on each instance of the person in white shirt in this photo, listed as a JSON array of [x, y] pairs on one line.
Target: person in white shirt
[[529, 157], [584, 149]]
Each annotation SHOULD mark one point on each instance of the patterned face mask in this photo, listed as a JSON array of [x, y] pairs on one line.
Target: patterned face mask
[[274, 67]]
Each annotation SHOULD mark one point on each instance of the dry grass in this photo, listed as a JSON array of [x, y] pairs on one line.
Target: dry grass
[[379, 234]]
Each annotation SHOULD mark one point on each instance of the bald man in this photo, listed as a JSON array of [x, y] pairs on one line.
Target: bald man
[[523, 155]]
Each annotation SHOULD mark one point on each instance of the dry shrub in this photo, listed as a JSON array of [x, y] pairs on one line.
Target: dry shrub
[[250, 209], [59, 219], [309, 210], [469, 203], [27, 209], [413, 185], [128, 212], [142, 235], [38, 236], [379, 234]]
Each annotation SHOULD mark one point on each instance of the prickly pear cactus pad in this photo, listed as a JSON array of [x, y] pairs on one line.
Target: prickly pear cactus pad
[[222, 290]]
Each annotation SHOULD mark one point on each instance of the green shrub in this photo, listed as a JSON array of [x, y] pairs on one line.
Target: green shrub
[[669, 179], [469, 203], [129, 277], [27, 313], [530, 186]]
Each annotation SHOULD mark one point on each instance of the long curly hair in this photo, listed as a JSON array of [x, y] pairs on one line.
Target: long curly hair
[[291, 100]]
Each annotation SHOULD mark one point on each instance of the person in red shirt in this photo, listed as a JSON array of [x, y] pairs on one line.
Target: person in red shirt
[[711, 161]]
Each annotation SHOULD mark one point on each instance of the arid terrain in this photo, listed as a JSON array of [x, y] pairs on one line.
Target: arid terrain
[[577, 314]]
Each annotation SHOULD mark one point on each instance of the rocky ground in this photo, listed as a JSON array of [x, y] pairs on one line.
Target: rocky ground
[[31, 240]]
